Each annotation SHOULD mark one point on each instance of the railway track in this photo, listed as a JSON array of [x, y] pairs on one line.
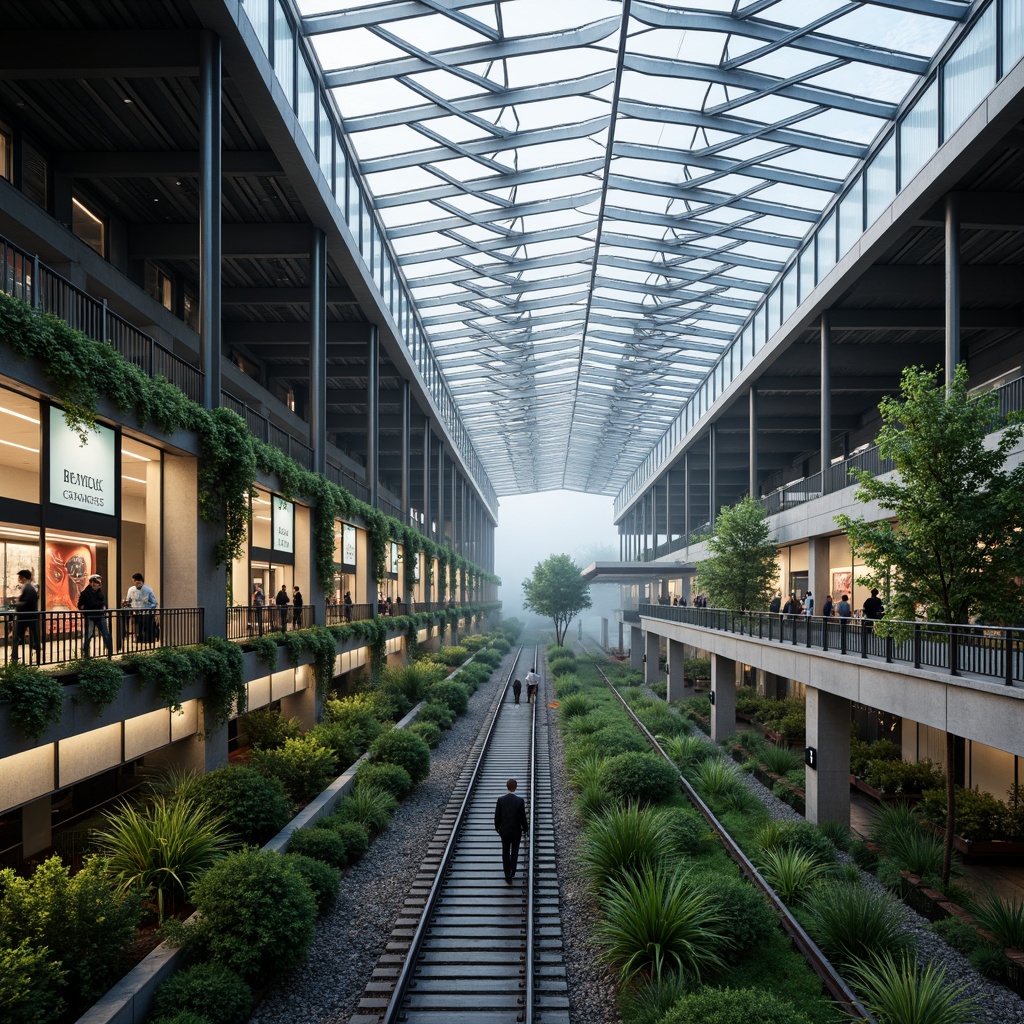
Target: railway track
[[833, 982], [467, 946]]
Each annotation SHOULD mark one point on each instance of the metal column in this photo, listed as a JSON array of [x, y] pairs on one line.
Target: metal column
[[952, 284], [372, 413], [318, 350], [406, 448], [826, 398], [752, 442], [712, 475], [210, 186]]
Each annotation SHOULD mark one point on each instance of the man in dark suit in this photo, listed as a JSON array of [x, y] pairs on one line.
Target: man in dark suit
[[510, 823]]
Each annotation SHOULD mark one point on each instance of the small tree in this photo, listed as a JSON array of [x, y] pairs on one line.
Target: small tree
[[956, 544], [557, 591], [742, 570]]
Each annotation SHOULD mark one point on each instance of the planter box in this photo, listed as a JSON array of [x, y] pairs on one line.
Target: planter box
[[777, 737], [985, 851], [880, 797]]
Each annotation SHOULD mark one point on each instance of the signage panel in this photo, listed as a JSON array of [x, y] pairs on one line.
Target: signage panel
[[82, 475], [284, 525], [348, 544]]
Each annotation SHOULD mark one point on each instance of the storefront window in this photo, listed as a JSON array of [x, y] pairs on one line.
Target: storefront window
[[19, 549], [19, 447], [140, 514], [68, 562], [261, 519]]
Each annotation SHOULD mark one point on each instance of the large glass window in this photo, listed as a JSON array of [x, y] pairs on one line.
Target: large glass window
[[6, 152], [919, 134], [1013, 33], [826, 246], [19, 447], [881, 180], [262, 518], [69, 559], [140, 514], [89, 226], [19, 549], [258, 13], [851, 217], [306, 104], [970, 73], [284, 52]]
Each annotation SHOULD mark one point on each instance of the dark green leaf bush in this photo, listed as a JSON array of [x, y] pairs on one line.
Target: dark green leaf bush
[[686, 829], [392, 778], [36, 698], [322, 843], [257, 914], [733, 1006], [574, 705], [639, 776], [903, 776], [322, 879], [30, 985], [267, 729], [562, 668], [99, 680], [566, 686], [303, 765], [452, 656], [436, 714], [450, 693], [368, 806], [389, 704], [404, 749], [213, 991], [255, 807], [427, 731], [80, 918], [356, 715], [356, 837], [747, 917], [342, 741], [490, 658]]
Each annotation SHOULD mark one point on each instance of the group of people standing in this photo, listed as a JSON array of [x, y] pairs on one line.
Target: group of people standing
[[873, 608], [282, 601], [92, 603]]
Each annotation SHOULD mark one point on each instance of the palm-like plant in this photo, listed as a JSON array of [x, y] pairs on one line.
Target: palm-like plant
[[659, 923], [917, 851], [897, 991], [689, 751], [586, 770], [625, 840], [162, 848], [779, 760], [1003, 919], [851, 923], [368, 805], [716, 779], [790, 872]]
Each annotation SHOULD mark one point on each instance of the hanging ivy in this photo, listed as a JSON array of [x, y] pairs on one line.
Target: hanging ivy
[[99, 680], [36, 698]]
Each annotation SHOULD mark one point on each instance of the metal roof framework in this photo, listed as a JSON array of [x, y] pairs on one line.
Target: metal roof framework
[[587, 198]]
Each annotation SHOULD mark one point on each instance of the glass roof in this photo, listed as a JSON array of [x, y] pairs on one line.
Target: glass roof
[[588, 197]]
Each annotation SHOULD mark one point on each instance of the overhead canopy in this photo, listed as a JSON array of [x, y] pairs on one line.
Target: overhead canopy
[[588, 198], [636, 572]]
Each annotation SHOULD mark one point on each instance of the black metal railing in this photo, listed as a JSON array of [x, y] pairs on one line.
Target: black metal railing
[[56, 637], [995, 652], [245, 621]]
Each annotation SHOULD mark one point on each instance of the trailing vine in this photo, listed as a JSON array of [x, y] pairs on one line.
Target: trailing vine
[[295, 644], [99, 680], [36, 698], [322, 644], [265, 648], [221, 664]]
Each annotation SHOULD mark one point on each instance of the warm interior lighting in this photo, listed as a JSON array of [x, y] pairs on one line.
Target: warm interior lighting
[[20, 415], [23, 447]]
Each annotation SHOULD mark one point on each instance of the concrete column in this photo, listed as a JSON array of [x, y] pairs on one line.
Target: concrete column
[[440, 494], [36, 831], [621, 638], [723, 689], [636, 648], [318, 350], [828, 733], [685, 587], [952, 284], [426, 486], [819, 575], [604, 632], [652, 651], [210, 204], [676, 682]]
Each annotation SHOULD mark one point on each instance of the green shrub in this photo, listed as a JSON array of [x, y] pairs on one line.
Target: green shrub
[[433, 713], [661, 923], [686, 829], [898, 991], [902, 776], [806, 836], [958, 933], [356, 837], [490, 658], [748, 700], [356, 714], [836, 832], [392, 778], [267, 729], [593, 800], [30, 985], [36, 698], [979, 815], [1002, 919], [893, 820], [257, 914], [210, 990], [747, 918], [255, 807], [340, 740], [733, 1006], [303, 766], [624, 841], [990, 961], [452, 656], [917, 851], [412, 680], [715, 779], [160, 849], [863, 753], [617, 738], [182, 1017], [368, 806], [573, 706], [322, 843], [779, 760], [99, 680], [322, 879], [566, 686], [792, 873], [389, 704], [561, 668], [662, 722], [427, 731], [82, 919], [689, 751], [398, 746], [850, 923], [643, 777], [451, 693]]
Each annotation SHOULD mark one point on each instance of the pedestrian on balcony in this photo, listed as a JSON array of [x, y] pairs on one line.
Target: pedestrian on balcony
[[828, 607], [809, 604], [873, 609], [776, 606], [348, 605], [282, 603], [92, 603], [843, 609], [26, 618], [258, 600], [296, 608], [141, 598]]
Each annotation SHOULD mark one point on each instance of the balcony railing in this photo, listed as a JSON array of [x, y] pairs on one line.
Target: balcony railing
[[995, 652], [56, 637], [245, 621]]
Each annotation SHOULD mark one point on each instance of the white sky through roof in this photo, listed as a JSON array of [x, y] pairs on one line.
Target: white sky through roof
[[585, 218]]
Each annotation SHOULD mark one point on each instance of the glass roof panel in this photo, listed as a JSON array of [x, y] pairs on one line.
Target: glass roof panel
[[585, 210]]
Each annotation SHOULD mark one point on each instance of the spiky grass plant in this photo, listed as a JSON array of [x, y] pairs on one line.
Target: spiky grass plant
[[174, 783], [779, 760], [916, 851], [573, 705], [593, 801], [851, 923], [716, 779], [891, 821], [661, 922], [837, 833], [161, 848], [369, 806], [792, 873], [586, 770], [898, 991], [689, 751], [1002, 919], [647, 1001], [623, 841]]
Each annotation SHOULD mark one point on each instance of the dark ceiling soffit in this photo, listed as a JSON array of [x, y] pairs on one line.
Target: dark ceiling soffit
[[623, 572], [168, 163], [108, 54], [181, 241]]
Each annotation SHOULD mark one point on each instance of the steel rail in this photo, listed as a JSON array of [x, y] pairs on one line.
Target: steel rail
[[807, 947], [395, 1011]]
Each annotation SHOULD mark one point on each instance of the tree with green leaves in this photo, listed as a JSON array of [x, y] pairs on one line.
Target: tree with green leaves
[[557, 591], [955, 545], [743, 567]]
